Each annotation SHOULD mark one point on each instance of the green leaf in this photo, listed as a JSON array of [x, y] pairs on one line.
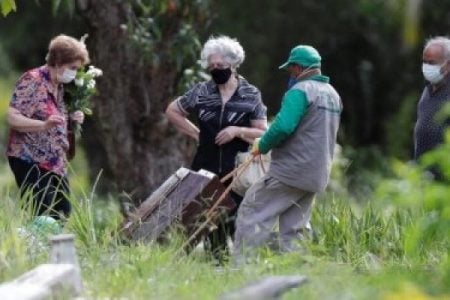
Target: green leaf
[[70, 6], [55, 6], [87, 111], [7, 6]]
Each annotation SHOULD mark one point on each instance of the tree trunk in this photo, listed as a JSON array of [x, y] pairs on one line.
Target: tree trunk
[[134, 140]]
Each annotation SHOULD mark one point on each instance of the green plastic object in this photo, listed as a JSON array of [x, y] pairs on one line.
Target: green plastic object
[[45, 225]]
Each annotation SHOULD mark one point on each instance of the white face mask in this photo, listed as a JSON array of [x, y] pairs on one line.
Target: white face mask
[[432, 73], [67, 76]]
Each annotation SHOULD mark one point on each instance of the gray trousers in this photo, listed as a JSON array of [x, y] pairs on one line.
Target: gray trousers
[[266, 202]]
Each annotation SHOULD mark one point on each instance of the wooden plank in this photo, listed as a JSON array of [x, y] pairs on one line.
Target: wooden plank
[[152, 202], [40, 283], [194, 214], [183, 199], [161, 193], [170, 208]]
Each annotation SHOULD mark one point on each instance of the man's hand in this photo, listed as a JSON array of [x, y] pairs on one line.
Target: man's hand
[[255, 147]]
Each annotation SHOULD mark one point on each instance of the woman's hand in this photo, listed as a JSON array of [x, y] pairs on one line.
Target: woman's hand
[[77, 116], [227, 134], [52, 121]]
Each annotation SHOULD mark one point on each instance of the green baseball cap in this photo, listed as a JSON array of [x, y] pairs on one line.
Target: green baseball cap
[[303, 55]]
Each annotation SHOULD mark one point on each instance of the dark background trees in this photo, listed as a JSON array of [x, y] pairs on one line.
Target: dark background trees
[[371, 50]]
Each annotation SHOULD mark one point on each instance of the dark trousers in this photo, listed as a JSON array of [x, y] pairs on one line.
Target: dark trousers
[[216, 241], [49, 192]]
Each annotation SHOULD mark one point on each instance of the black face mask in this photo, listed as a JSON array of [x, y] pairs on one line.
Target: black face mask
[[220, 76]]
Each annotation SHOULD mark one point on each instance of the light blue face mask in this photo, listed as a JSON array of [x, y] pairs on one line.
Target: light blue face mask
[[291, 82], [432, 73]]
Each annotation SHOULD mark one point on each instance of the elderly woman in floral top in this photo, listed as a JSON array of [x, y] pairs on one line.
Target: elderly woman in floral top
[[38, 118]]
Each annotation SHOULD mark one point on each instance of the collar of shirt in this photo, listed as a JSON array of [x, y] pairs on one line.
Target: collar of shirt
[[44, 72], [434, 88], [240, 91], [319, 77]]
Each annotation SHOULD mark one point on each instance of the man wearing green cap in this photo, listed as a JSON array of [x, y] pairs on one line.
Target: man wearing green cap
[[302, 138]]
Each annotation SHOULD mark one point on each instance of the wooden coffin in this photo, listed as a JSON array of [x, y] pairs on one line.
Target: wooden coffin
[[183, 199]]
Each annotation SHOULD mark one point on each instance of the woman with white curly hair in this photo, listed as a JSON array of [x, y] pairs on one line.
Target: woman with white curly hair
[[230, 115]]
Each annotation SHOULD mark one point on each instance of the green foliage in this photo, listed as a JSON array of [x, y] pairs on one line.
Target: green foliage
[[373, 236], [19, 248], [6, 86], [192, 76], [78, 93], [367, 166], [163, 32], [338, 181], [414, 187], [68, 5], [23, 50], [386, 248], [353, 257], [7, 6], [5, 64], [400, 128], [393, 244], [156, 20], [10, 5], [370, 49]]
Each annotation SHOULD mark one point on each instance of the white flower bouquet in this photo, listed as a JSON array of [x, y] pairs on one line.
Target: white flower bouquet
[[77, 94]]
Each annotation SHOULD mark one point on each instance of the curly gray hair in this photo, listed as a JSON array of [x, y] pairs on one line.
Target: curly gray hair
[[441, 41], [229, 48]]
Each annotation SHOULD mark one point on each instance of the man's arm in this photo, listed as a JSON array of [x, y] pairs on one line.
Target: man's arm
[[293, 108]]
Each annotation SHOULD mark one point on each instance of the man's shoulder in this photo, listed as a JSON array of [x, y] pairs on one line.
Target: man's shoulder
[[314, 86], [306, 85], [447, 84]]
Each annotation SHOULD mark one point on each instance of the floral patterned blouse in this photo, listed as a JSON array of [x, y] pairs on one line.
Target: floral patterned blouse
[[33, 97]]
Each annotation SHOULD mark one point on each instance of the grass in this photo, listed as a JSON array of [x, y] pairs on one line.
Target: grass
[[394, 246], [353, 257]]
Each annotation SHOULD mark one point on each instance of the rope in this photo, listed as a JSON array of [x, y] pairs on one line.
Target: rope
[[210, 214], [241, 168]]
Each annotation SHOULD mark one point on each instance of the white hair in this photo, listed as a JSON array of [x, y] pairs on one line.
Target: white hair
[[441, 41], [229, 48]]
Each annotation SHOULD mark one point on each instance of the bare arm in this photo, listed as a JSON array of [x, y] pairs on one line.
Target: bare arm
[[179, 120], [248, 134], [20, 123]]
